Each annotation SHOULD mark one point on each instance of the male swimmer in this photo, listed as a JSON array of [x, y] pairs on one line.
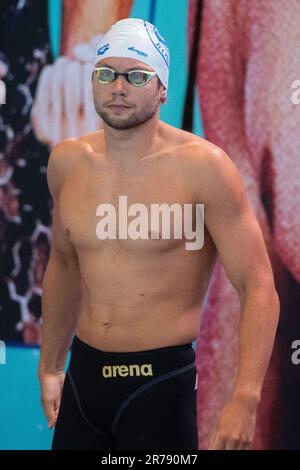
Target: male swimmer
[[131, 305]]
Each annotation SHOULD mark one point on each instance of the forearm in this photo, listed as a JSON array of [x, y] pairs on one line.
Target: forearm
[[60, 307], [257, 329], [82, 21]]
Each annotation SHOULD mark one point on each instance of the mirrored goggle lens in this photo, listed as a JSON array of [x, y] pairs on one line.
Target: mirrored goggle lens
[[105, 75], [136, 77]]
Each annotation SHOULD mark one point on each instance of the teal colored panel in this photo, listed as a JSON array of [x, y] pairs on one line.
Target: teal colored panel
[[54, 23], [198, 128], [23, 425], [170, 18], [141, 9]]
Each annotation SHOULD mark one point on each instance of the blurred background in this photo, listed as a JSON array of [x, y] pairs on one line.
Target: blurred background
[[234, 79]]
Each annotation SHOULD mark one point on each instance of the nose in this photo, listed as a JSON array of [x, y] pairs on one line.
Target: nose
[[119, 86]]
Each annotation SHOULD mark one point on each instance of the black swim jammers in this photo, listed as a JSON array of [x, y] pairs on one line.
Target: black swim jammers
[[132, 400]]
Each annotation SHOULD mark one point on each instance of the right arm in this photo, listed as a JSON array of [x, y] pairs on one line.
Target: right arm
[[61, 296], [83, 20]]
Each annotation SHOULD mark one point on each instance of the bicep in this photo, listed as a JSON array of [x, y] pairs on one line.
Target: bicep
[[62, 248], [232, 224]]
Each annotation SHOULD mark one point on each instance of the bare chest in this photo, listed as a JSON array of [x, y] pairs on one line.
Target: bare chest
[[150, 208]]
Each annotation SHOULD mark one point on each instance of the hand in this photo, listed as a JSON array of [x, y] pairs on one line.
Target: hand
[[235, 428], [63, 105], [51, 388]]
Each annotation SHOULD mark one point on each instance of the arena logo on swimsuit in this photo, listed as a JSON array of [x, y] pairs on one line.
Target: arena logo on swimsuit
[[124, 371], [138, 228]]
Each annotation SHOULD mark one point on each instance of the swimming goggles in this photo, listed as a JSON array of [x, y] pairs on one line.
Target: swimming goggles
[[105, 75]]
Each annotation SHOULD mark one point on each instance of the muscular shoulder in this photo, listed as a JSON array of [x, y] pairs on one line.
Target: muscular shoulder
[[62, 159], [93, 140], [191, 146], [213, 176], [197, 154]]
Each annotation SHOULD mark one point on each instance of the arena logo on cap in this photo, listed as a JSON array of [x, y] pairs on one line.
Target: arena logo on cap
[[132, 48], [103, 49]]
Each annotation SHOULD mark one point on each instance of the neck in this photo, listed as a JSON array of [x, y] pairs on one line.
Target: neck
[[128, 146]]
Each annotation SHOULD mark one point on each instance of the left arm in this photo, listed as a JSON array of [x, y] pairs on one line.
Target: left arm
[[236, 233]]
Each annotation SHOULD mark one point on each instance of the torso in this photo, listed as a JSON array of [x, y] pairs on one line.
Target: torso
[[137, 294]]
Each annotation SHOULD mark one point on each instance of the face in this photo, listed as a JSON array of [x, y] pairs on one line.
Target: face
[[143, 102]]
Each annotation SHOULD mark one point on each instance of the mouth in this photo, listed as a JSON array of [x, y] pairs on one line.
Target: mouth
[[118, 108]]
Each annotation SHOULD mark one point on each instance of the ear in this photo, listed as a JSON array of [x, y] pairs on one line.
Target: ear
[[164, 96]]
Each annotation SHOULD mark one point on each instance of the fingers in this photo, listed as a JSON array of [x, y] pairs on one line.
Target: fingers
[[56, 109], [217, 442], [39, 112], [211, 445], [64, 105], [51, 409], [55, 412], [52, 387], [222, 442], [51, 412], [90, 121], [72, 77]]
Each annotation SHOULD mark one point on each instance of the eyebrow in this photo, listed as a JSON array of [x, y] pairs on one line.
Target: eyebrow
[[137, 67]]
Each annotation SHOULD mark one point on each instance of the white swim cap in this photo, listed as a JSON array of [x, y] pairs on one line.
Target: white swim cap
[[137, 39]]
